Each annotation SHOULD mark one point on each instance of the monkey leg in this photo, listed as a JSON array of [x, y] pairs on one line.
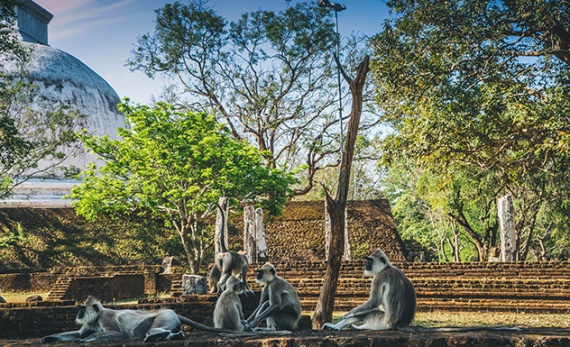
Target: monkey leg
[[375, 320], [109, 336], [163, 335], [73, 336], [342, 324], [222, 282], [166, 326]]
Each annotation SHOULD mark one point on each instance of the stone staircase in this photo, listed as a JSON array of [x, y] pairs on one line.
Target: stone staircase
[[514, 287], [59, 290]]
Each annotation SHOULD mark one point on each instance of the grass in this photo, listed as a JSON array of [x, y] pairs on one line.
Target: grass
[[470, 319], [21, 297], [467, 319]]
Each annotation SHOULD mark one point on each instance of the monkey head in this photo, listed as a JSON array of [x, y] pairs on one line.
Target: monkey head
[[89, 311], [235, 285], [265, 274], [375, 263]]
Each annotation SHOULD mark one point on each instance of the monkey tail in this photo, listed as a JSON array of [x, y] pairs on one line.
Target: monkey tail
[[231, 333], [258, 333], [201, 326]]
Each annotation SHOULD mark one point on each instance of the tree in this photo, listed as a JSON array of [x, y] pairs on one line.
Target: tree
[[336, 206], [173, 164], [479, 92], [268, 76], [32, 141]]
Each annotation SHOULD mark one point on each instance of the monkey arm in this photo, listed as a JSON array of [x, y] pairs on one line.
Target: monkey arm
[[373, 303], [362, 310], [273, 304], [262, 300], [240, 311], [73, 336], [268, 310]]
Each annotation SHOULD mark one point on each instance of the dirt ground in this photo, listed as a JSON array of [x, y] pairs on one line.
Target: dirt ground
[[535, 337]]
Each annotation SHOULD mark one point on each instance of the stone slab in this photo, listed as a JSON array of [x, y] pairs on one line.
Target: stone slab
[[318, 338]]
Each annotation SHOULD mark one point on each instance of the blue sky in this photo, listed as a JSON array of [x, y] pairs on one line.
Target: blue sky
[[102, 33]]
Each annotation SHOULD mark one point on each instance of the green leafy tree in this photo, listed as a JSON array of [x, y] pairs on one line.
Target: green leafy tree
[[478, 92], [32, 141], [173, 165], [267, 75]]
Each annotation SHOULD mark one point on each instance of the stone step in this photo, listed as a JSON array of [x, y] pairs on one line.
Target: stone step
[[532, 287]]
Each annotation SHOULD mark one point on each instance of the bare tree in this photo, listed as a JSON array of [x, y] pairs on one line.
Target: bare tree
[[337, 205]]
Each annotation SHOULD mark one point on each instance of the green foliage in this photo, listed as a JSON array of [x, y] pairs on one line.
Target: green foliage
[[477, 93], [173, 165], [12, 236], [269, 76], [47, 238]]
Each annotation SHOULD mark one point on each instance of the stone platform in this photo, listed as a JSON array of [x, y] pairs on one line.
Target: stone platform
[[316, 338]]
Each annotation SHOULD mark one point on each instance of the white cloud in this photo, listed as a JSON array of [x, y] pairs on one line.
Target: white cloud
[[75, 18]]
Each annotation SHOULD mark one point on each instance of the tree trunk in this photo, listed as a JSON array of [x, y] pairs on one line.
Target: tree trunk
[[190, 252], [346, 253], [336, 207], [221, 231]]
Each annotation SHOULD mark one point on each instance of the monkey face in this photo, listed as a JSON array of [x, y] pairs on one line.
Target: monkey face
[[265, 274], [81, 312], [235, 285], [375, 263], [238, 287], [369, 264], [259, 277]]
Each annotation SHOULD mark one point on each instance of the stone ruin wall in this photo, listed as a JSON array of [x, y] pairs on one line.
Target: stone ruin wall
[[298, 235]]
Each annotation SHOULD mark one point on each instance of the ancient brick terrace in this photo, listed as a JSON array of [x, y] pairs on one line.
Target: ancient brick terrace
[[501, 287], [539, 287]]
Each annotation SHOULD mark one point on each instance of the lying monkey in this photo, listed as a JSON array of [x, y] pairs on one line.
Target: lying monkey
[[103, 324]]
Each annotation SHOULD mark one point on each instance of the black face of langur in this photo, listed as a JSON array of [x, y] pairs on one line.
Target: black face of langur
[[81, 312], [89, 311], [235, 285], [265, 274], [375, 263]]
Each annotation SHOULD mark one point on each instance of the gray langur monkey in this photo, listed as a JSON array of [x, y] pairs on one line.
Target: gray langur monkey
[[2, 300], [279, 304], [103, 324], [214, 278], [390, 289], [228, 264], [228, 313]]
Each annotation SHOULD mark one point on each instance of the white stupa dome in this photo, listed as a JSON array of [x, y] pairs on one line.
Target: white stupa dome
[[65, 80], [62, 80]]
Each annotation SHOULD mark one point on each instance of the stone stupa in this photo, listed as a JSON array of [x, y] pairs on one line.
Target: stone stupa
[[62, 80]]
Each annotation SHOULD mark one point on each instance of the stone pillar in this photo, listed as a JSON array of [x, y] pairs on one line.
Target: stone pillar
[[149, 282], [261, 252], [194, 284], [167, 264], [507, 228], [221, 229], [249, 246]]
